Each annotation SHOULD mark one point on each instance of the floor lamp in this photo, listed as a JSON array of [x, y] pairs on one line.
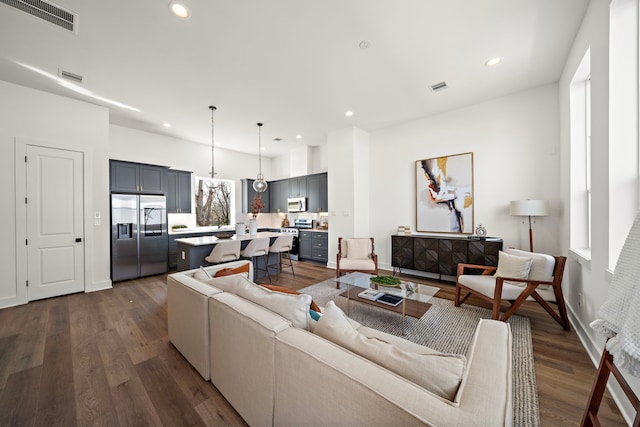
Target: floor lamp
[[529, 208]]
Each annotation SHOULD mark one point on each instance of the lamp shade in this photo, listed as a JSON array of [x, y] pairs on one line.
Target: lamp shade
[[529, 208]]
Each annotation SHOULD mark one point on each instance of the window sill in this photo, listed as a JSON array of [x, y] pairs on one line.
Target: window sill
[[583, 256]]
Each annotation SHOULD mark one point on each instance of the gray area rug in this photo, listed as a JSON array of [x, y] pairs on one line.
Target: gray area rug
[[449, 329]]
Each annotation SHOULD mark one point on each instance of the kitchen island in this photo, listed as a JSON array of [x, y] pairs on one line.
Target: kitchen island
[[193, 250]]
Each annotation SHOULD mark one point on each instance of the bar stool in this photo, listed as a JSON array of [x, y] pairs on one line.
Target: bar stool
[[256, 248], [224, 251], [281, 246]]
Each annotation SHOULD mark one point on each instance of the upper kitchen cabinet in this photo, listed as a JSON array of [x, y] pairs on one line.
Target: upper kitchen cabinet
[[179, 192], [318, 199], [248, 194], [278, 192], [127, 177], [298, 186]]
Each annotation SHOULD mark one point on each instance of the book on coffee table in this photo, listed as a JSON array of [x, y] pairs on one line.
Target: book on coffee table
[[390, 299], [371, 294]]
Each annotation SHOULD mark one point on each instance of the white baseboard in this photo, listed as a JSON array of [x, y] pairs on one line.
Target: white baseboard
[[99, 286], [595, 353]]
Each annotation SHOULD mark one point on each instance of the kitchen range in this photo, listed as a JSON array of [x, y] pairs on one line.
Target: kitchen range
[[298, 224]]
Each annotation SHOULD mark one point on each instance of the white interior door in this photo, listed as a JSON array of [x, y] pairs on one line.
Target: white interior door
[[55, 226]]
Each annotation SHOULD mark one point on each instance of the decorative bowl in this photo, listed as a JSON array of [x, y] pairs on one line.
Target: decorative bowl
[[389, 281]]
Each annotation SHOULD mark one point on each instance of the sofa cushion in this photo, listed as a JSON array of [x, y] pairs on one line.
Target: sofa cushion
[[227, 283], [201, 274], [313, 306], [439, 373], [229, 271], [294, 308], [516, 267]]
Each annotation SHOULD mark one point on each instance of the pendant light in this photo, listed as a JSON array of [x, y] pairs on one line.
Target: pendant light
[[260, 185], [213, 172]]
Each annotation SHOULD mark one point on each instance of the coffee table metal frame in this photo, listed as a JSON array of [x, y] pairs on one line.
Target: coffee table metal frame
[[406, 290]]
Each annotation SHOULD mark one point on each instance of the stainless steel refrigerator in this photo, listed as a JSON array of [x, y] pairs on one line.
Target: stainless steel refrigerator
[[139, 239]]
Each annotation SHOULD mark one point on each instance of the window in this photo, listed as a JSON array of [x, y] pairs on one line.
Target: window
[[581, 155], [587, 156], [215, 202]]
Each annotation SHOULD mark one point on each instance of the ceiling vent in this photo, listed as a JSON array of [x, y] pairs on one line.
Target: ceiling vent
[[69, 75], [439, 86], [48, 11]]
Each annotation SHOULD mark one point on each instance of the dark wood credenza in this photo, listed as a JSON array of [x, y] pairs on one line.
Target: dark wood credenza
[[441, 255]]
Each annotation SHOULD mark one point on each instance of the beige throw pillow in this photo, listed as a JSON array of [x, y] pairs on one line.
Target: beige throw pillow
[[201, 274], [439, 373], [513, 266], [294, 308], [228, 283]]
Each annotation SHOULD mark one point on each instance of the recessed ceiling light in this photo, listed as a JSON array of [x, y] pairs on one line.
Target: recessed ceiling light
[[179, 10], [493, 61], [167, 125], [263, 148], [298, 136], [364, 44], [349, 113]]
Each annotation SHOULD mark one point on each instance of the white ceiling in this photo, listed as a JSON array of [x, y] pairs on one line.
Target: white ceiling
[[295, 65]]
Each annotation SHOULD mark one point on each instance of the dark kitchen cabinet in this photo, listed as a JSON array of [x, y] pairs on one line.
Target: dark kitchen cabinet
[[248, 194], [128, 177], [317, 193], [305, 245], [320, 246], [278, 195], [298, 186], [313, 245], [179, 192]]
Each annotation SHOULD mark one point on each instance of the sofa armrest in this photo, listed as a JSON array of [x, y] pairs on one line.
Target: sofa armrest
[[354, 390], [188, 319]]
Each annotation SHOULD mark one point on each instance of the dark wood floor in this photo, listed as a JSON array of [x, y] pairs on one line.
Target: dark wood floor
[[104, 358]]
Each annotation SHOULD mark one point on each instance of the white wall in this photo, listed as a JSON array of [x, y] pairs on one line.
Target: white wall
[[31, 116], [515, 141]]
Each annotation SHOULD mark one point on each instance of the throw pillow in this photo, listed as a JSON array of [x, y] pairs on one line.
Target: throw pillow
[[229, 271], [513, 266], [227, 283], [201, 274], [276, 288], [439, 373], [358, 248], [294, 308], [541, 267]]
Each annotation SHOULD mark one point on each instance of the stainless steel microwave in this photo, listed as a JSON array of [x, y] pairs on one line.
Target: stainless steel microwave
[[297, 204]]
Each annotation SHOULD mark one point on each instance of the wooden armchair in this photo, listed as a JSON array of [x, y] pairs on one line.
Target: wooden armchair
[[543, 282], [356, 255]]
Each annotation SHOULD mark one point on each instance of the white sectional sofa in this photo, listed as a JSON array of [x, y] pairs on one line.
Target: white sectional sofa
[[274, 373]]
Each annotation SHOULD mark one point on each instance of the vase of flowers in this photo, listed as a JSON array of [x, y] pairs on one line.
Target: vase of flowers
[[257, 204]]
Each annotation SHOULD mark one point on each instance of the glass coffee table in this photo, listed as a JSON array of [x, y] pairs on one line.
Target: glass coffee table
[[414, 296]]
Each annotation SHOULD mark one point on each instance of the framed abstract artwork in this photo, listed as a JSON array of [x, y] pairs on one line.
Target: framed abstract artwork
[[444, 194]]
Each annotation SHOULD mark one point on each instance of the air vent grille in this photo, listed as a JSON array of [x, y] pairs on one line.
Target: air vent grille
[[439, 86], [45, 10], [70, 76]]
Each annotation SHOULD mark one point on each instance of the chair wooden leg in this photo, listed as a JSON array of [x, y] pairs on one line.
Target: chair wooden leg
[[562, 320], [456, 301]]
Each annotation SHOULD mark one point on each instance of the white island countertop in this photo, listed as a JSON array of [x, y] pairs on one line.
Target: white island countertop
[[211, 240]]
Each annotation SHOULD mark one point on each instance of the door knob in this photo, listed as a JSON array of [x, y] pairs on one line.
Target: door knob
[[78, 239]]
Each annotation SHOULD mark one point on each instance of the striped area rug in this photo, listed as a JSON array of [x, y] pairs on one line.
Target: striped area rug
[[449, 329]]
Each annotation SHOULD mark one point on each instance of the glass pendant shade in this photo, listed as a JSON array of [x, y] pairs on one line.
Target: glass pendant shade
[[260, 185]]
